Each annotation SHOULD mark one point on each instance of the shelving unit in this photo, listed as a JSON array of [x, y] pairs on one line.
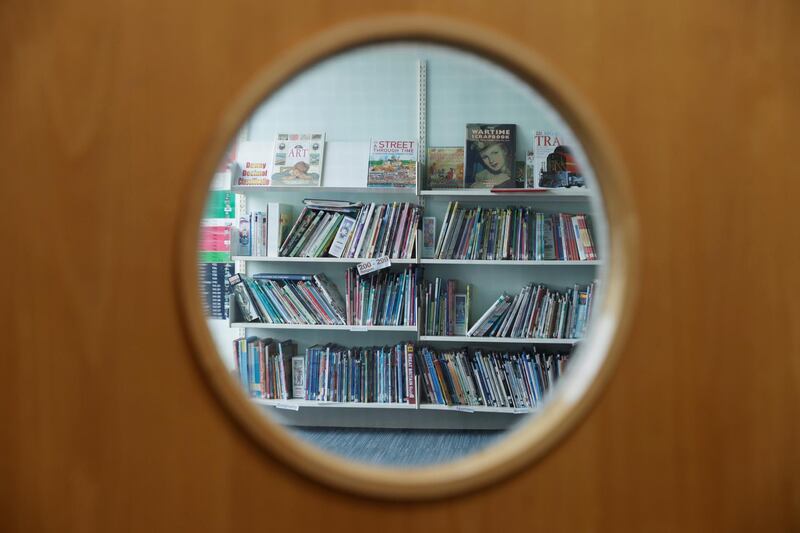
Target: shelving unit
[[306, 412], [495, 340]]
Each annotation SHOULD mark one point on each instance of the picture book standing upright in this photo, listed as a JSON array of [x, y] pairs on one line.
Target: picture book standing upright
[[490, 151], [297, 159], [392, 163]]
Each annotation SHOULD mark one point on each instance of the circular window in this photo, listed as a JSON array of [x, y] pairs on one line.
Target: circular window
[[412, 262]]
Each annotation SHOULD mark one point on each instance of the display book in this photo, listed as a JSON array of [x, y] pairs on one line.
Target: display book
[[489, 160]]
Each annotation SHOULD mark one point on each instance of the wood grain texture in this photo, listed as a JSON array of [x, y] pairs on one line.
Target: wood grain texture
[[108, 423]]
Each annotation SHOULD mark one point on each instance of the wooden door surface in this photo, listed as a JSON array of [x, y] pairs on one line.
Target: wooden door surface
[[108, 424]]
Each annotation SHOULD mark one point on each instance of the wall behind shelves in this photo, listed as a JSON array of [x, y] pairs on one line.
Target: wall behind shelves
[[378, 98]]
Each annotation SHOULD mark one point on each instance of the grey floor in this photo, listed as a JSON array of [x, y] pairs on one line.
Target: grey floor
[[398, 447]]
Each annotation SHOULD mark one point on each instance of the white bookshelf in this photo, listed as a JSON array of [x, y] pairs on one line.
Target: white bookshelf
[[496, 340], [343, 260], [538, 194], [325, 327], [484, 285], [507, 262], [296, 405]]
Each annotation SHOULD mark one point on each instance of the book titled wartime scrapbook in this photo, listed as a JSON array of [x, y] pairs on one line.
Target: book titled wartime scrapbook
[[490, 151]]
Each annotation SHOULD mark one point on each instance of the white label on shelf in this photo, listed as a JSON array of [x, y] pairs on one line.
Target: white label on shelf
[[520, 411], [359, 328], [373, 264], [287, 406], [463, 409]]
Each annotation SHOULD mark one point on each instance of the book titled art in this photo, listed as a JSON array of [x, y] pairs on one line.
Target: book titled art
[[297, 159], [446, 167], [554, 164], [490, 151], [392, 163]]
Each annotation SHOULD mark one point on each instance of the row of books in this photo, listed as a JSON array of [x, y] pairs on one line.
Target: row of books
[[260, 232], [382, 299], [288, 299], [487, 159], [564, 237], [354, 230], [537, 312], [488, 378], [264, 366], [375, 375], [513, 233], [270, 369], [443, 310]]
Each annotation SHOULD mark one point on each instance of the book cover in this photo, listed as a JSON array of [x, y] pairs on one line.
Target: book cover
[[277, 222], [392, 163], [553, 162], [254, 172], [489, 152], [297, 159], [446, 167]]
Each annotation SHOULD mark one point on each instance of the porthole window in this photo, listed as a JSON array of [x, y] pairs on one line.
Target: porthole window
[[411, 264]]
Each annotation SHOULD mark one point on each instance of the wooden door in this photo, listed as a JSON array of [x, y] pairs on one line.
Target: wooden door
[[110, 426]]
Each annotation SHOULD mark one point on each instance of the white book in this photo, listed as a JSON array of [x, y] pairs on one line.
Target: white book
[[342, 236], [277, 222], [298, 377]]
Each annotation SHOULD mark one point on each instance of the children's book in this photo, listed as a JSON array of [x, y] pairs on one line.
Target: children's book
[[392, 163], [297, 159], [446, 167], [489, 152]]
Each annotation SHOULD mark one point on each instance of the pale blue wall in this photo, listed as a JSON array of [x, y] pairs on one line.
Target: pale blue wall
[[373, 93]]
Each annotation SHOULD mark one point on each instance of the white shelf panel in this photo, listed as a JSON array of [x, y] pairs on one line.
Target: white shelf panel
[[508, 262], [477, 409], [244, 189], [262, 325], [495, 340], [293, 404], [549, 194], [259, 259], [297, 404]]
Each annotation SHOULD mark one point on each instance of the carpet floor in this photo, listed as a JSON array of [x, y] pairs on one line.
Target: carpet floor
[[398, 447]]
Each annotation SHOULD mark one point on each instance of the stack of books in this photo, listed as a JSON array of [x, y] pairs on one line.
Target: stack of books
[[288, 299], [375, 375], [564, 237], [537, 312], [443, 311], [264, 366], [353, 230], [488, 378], [382, 299]]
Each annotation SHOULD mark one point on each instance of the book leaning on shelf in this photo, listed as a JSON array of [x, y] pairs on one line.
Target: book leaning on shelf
[[488, 378], [353, 230], [368, 375], [513, 233], [537, 312], [443, 311], [288, 299], [264, 366], [382, 299]]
